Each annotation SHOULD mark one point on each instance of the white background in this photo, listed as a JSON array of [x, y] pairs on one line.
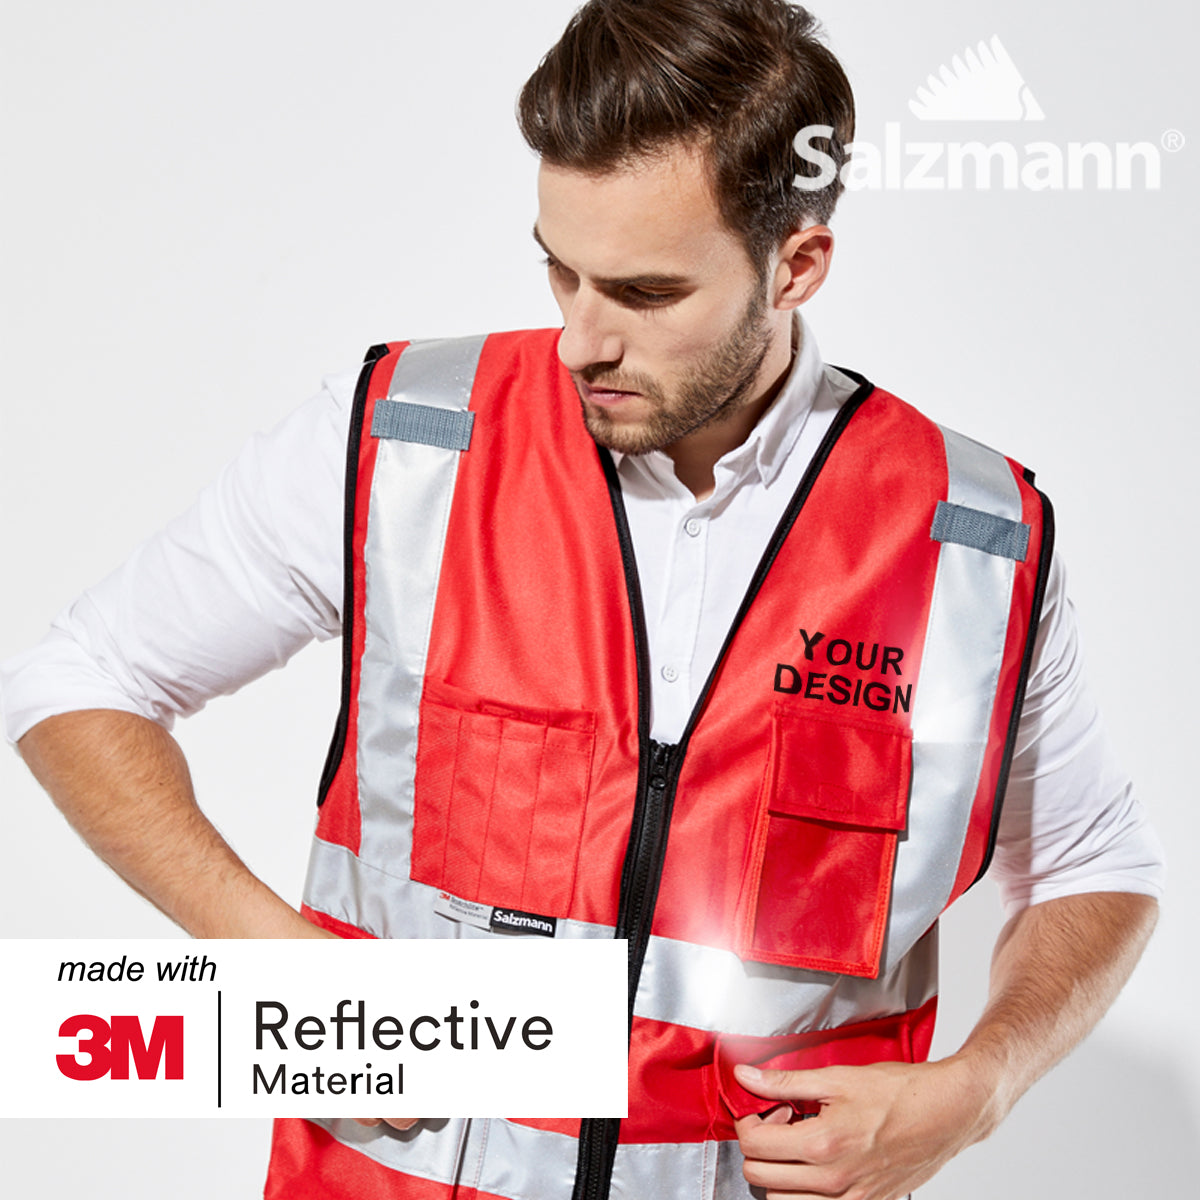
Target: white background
[[205, 207]]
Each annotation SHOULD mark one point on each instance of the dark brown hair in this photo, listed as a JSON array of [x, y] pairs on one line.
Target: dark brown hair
[[739, 78]]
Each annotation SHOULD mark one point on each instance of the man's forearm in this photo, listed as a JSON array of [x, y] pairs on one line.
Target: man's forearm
[[887, 1128], [123, 783], [1056, 969]]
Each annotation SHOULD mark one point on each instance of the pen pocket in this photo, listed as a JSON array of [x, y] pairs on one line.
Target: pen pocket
[[501, 796]]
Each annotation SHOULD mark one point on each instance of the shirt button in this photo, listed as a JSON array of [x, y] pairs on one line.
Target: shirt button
[[694, 528], [670, 674]]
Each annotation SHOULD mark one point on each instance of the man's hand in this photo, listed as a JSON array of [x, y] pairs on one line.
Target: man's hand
[[401, 1123], [886, 1128], [882, 1129]]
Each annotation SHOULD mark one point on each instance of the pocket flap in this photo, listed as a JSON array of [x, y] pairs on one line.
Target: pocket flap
[[847, 771], [902, 1037], [778, 1053]]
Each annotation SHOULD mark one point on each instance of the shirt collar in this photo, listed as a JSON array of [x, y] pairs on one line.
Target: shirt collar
[[772, 439]]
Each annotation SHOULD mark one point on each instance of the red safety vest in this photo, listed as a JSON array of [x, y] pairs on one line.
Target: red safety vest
[[778, 873]]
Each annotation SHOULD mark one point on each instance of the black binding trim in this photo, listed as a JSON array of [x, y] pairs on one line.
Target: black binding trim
[[1045, 553], [659, 768], [641, 644], [598, 1136], [337, 747], [832, 435]]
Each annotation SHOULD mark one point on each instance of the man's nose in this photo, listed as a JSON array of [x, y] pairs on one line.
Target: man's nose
[[588, 334]]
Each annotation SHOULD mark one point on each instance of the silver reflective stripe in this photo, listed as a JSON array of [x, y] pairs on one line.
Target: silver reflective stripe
[[713, 990], [512, 1160], [423, 424], [952, 708], [386, 906], [406, 535], [436, 1150], [681, 982], [731, 1183], [980, 530]]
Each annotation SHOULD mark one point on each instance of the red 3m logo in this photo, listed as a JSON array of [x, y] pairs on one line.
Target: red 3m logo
[[109, 1044]]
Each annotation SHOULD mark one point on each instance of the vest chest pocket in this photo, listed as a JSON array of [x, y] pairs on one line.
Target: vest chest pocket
[[818, 885], [501, 794]]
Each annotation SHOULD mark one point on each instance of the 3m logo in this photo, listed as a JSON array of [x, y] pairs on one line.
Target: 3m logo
[[107, 1048], [982, 84]]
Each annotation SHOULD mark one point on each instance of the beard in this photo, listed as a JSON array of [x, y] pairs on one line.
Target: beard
[[712, 389]]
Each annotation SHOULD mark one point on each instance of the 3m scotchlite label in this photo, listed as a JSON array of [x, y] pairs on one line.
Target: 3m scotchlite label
[[487, 916], [502, 1158], [457, 909], [980, 530], [422, 423]]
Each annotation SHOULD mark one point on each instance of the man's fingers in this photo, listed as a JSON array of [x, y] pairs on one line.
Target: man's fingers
[[395, 1122], [781, 1114], [787, 1160], [794, 1180], [801, 1142], [786, 1085]]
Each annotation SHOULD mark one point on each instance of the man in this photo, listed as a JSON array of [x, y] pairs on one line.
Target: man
[[772, 799]]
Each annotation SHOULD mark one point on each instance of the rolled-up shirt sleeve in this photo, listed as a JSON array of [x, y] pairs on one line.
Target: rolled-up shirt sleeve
[[224, 593], [1071, 822]]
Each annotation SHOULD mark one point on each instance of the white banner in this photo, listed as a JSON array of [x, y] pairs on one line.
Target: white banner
[[512, 1027]]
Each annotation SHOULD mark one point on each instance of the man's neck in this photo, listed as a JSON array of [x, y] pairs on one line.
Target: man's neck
[[696, 456]]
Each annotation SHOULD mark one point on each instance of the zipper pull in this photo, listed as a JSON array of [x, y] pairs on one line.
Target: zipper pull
[[660, 766]]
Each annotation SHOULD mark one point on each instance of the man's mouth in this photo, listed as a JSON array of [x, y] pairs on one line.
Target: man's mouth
[[605, 397]]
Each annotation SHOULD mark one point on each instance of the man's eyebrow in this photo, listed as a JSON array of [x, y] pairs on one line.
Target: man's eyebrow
[[636, 281]]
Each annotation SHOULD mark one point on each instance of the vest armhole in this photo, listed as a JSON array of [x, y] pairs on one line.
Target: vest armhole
[[337, 745], [1045, 553]]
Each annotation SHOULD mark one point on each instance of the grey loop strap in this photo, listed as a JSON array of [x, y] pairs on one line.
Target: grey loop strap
[[428, 401], [980, 530], [400, 421]]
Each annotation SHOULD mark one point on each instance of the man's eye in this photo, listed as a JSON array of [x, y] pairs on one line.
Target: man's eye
[[640, 298], [561, 276]]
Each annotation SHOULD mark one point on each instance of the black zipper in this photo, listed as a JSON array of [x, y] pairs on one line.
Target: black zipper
[[659, 767]]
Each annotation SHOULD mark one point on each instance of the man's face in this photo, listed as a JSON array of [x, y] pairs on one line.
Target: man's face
[[666, 322]]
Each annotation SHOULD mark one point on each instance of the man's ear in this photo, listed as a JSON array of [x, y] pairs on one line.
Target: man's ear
[[801, 266]]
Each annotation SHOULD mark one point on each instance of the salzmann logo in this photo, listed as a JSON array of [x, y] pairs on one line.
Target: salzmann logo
[[513, 918], [983, 84]]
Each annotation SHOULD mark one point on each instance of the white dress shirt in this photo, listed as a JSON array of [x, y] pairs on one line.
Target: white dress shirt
[[253, 571]]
